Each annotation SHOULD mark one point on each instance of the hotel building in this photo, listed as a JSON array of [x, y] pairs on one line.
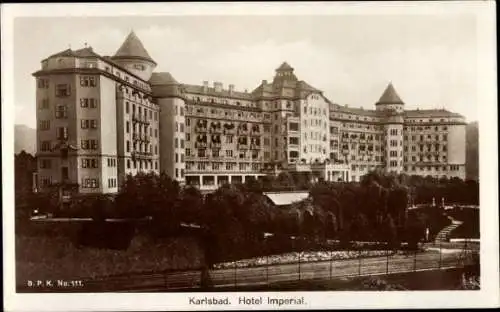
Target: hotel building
[[101, 118]]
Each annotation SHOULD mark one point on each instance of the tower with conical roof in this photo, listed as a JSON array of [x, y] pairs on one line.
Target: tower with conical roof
[[390, 100], [133, 56], [393, 120]]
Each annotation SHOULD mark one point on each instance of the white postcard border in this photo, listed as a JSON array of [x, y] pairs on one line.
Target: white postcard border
[[488, 296]]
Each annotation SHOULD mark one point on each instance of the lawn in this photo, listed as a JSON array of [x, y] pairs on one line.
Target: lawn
[[56, 257]]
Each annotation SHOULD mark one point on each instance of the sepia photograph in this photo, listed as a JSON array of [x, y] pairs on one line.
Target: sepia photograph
[[250, 159]]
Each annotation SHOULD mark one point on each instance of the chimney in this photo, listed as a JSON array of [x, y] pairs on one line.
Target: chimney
[[218, 86], [205, 86], [231, 88], [264, 82]]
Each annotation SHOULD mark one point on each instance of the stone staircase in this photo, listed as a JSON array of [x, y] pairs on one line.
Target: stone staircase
[[443, 235]]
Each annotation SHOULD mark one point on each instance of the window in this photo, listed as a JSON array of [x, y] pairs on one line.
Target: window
[[182, 127], [44, 104], [128, 127], [89, 144], [229, 153], [128, 146], [63, 90], [84, 103], [89, 124], [62, 133], [293, 126], [88, 102], [44, 125], [87, 81], [65, 173], [182, 143], [45, 181], [45, 163], [91, 183], [188, 152], [182, 111], [294, 154], [85, 144], [90, 163], [43, 83], [229, 139], [176, 143], [176, 158], [294, 141], [139, 66], [61, 112]]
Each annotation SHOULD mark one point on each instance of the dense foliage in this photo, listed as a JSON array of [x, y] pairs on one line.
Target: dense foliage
[[374, 209]]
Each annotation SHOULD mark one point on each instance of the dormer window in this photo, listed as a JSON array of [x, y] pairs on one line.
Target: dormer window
[[139, 66]]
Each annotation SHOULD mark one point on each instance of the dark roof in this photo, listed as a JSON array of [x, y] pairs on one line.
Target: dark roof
[[430, 113], [353, 110], [197, 89], [285, 66], [89, 52], [85, 52], [162, 79], [67, 52], [390, 96], [132, 47]]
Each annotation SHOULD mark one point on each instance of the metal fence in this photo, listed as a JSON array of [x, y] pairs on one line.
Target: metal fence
[[294, 269]]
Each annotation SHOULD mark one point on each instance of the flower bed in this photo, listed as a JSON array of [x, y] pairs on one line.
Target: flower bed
[[309, 256]]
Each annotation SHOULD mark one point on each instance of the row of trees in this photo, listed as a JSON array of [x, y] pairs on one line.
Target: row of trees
[[238, 215], [424, 189]]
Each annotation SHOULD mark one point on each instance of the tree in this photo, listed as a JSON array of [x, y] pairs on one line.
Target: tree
[[391, 232], [150, 195], [397, 203], [284, 181], [331, 225], [191, 205]]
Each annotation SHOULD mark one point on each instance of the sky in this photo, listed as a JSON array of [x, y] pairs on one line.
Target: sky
[[430, 59]]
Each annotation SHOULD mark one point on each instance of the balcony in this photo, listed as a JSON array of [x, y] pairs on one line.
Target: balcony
[[141, 155], [215, 145], [229, 131], [140, 119], [255, 147], [216, 130], [242, 146], [200, 144], [200, 129]]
